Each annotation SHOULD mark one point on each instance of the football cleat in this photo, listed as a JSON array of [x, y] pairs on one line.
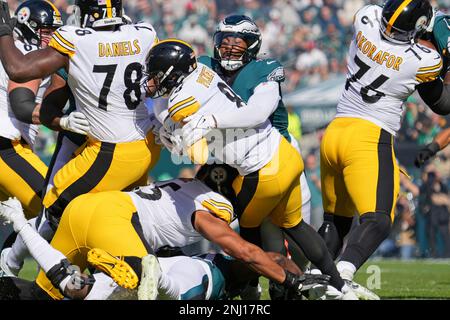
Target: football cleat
[[117, 268], [151, 272], [348, 293], [5, 270], [361, 292]]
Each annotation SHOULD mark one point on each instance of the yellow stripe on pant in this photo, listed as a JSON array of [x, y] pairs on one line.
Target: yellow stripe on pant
[[22, 175], [359, 171], [272, 191], [102, 167], [105, 220]]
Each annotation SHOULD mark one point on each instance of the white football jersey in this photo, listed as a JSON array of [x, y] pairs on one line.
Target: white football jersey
[[204, 92], [165, 210], [10, 127], [382, 75], [105, 73]]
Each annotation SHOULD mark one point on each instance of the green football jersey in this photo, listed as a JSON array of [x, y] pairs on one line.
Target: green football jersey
[[441, 39], [246, 79]]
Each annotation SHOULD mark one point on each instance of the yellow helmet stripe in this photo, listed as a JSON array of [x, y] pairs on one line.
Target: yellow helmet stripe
[[108, 9], [395, 15], [175, 40], [54, 8]]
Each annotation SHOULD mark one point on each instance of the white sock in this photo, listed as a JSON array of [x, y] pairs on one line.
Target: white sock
[[44, 254], [19, 251], [346, 269]]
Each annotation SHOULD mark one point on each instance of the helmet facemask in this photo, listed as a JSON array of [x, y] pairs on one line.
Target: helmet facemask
[[237, 27], [163, 82]]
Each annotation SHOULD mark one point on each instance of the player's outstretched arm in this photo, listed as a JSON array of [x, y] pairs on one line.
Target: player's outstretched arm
[[22, 68], [219, 232], [436, 94]]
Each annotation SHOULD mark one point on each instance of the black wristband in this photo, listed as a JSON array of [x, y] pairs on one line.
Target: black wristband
[[434, 147]]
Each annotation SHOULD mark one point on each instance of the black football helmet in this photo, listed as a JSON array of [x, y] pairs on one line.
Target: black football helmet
[[403, 21], [98, 13], [168, 63], [237, 26], [219, 177], [33, 15]]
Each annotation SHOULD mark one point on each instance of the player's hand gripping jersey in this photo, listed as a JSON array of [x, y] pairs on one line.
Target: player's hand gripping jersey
[[381, 76], [203, 92], [10, 127], [105, 78]]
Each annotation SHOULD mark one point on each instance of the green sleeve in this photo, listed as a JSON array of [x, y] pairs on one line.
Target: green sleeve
[[441, 34]]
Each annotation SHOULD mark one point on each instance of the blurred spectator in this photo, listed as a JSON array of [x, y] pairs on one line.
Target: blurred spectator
[[295, 124], [312, 172], [436, 205]]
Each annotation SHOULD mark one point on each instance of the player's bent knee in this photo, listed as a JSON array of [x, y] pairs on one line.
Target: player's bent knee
[[382, 222]]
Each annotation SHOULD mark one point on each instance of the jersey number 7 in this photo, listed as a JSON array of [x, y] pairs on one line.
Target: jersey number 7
[[130, 84], [363, 68]]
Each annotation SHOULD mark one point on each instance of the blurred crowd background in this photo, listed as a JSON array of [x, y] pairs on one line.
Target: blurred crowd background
[[310, 38]]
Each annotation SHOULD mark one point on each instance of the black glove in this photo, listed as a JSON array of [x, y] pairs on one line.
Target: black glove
[[7, 23], [426, 153], [296, 285]]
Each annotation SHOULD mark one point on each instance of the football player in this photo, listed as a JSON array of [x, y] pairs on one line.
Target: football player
[[103, 58], [359, 171], [269, 168], [170, 213], [439, 143], [23, 172], [237, 41]]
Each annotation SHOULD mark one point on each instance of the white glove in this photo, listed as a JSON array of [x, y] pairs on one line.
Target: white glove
[[196, 127], [75, 122], [156, 128], [11, 211], [173, 143]]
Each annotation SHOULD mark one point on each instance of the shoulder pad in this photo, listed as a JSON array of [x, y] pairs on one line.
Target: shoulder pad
[[206, 60], [182, 106], [269, 70], [221, 209]]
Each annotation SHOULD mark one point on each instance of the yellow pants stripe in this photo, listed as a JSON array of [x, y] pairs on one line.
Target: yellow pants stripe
[[274, 191], [22, 175], [359, 171]]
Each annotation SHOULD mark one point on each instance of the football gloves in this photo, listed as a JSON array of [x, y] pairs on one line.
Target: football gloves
[[426, 153], [295, 285], [7, 23], [11, 212], [75, 122], [196, 127]]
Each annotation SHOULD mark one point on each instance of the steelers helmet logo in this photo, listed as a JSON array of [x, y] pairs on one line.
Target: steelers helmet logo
[[218, 175], [421, 23], [23, 15]]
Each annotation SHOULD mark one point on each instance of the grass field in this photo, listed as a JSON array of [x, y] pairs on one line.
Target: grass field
[[390, 279]]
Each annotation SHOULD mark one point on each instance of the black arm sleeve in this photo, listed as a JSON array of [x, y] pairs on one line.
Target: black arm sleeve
[[436, 95], [22, 102], [52, 105]]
